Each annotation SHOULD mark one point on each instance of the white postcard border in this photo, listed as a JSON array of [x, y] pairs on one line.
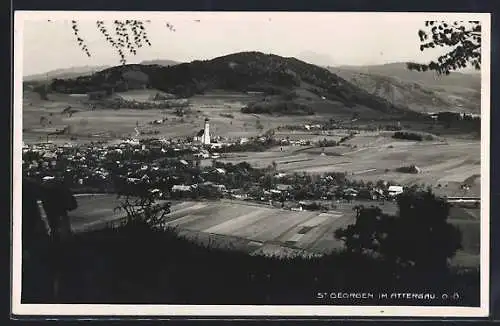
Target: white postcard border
[[241, 310]]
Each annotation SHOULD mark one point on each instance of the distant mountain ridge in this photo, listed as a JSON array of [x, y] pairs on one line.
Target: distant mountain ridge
[[416, 96], [420, 91], [66, 73], [319, 59], [74, 72], [399, 70]]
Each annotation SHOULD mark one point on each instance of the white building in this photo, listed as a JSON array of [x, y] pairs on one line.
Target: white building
[[206, 134], [395, 190]]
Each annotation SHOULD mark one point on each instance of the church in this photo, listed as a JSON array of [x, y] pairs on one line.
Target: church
[[203, 136]]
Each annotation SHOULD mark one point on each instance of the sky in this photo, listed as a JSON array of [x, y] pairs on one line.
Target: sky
[[333, 38]]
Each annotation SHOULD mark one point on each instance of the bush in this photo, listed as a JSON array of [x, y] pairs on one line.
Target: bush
[[407, 136], [227, 115], [408, 169]]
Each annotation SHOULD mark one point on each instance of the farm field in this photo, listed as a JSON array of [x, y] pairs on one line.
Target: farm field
[[222, 108], [261, 230], [444, 165], [107, 124]]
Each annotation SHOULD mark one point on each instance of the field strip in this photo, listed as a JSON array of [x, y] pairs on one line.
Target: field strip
[[237, 223], [317, 234], [253, 230], [179, 206], [296, 237], [460, 174], [318, 230], [314, 221], [295, 161], [319, 165], [102, 211], [364, 171], [284, 225], [217, 214], [293, 230], [101, 223], [92, 195], [197, 206], [184, 219]]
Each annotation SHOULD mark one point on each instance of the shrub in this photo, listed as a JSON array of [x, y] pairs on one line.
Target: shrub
[[407, 136]]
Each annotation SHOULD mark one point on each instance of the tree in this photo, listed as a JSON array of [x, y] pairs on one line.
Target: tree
[[418, 238], [141, 203], [129, 36], [464, 39]]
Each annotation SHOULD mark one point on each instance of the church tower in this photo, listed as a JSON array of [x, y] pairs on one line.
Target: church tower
[[206, 133]]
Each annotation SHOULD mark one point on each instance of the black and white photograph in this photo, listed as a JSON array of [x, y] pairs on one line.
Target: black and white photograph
[[251, 164]]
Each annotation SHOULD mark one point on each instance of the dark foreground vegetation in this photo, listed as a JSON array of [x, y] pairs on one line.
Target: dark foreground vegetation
[[143, 263], [411, 136]]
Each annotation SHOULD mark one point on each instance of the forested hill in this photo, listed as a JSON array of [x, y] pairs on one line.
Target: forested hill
[[245, 71]]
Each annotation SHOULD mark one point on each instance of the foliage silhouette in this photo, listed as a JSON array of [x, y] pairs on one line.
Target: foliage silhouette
[[129, 35], [464, 39], [418, 240]]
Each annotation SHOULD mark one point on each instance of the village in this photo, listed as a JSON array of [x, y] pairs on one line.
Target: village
[[191, 169]]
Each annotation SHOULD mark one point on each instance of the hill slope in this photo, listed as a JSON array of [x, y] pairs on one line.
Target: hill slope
[[245, 71], [399, 70], [65, 73], [419, 91]]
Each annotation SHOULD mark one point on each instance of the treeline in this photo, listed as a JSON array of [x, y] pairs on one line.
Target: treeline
[[411, 136]]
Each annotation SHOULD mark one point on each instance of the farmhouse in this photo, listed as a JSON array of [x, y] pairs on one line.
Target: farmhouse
[[283, 187], [395, 190], [181, 188], [350, 192]]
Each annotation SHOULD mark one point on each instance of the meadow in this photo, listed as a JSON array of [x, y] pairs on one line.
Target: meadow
[[259, 229]]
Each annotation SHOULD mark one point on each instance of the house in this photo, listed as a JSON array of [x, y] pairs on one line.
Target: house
[[181, 188], [350, 192], [220, 171], [283, 187], [393, 191]]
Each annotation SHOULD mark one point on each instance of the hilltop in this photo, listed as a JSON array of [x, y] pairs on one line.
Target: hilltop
[[294, 80]]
